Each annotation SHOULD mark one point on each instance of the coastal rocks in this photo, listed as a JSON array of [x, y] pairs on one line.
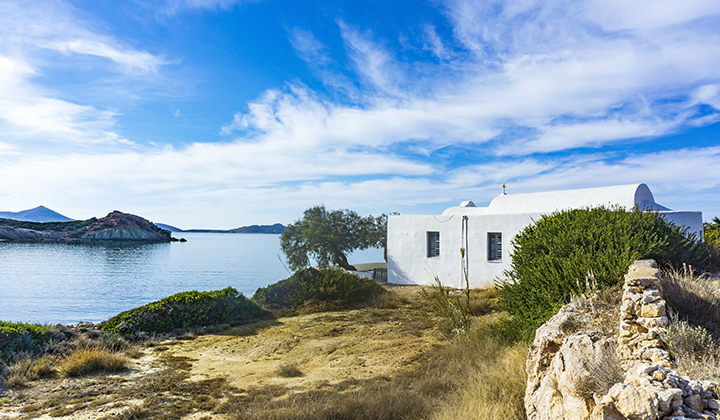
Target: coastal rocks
[[116, 226], [562, 363], [27, 235]]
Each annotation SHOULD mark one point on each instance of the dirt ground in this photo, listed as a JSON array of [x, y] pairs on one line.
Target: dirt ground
[[297, 354]]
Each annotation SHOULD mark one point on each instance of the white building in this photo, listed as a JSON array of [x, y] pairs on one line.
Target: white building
[[422, 247]]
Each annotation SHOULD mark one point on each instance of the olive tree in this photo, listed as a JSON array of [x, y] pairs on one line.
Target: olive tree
[[328, 236]]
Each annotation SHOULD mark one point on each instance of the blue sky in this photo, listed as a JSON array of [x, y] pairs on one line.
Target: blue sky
[[223, 113]]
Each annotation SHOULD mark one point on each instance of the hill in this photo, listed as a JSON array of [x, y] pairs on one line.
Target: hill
[[116, 226], [168, 227], [277, 229], [40, 214]]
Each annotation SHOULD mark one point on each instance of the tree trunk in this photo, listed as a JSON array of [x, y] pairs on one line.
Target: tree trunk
[[341, 260]]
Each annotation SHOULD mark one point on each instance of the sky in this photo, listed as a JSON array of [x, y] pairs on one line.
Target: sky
[[225, 113]]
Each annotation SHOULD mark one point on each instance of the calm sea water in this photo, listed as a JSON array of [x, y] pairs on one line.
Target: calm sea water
[[67, 284]]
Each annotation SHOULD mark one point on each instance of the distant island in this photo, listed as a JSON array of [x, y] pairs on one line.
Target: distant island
[[277, 228], [44, 225], [116, 226]]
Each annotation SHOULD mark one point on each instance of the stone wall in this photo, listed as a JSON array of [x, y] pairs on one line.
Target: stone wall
[[562, 362]]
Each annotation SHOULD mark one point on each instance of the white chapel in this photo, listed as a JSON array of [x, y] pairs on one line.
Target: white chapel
[[421, 247]]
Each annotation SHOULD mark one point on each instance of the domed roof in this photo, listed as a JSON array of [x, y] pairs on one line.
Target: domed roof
[[625, 196]]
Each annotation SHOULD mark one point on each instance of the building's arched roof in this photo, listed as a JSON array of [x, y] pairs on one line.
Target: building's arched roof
[[625, 196]]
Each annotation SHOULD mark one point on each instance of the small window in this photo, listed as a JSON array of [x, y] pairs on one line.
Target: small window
[[433, 244], [494, 246]]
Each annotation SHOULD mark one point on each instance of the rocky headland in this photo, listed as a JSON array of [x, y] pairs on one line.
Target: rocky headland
[[116, 226]]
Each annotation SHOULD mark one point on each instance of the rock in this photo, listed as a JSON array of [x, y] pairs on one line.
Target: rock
[[653, 323], [653, 310], [606, 411], [636, 403], [669, 399], [556, 366], [694, 402]]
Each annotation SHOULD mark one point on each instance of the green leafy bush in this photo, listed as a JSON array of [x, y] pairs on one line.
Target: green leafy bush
[[325, 285], [567, 253], [18, 339], [183, 310]]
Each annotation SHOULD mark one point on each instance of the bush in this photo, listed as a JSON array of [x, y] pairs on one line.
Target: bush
[[313, 285], [569, 252], [693, 348], [184, 310], [18, 340]]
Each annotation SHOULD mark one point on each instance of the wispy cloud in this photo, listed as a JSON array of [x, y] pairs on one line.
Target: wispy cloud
[[175, 6], [30, 33]]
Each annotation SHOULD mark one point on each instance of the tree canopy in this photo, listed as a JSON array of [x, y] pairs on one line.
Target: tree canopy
[[328, 236]]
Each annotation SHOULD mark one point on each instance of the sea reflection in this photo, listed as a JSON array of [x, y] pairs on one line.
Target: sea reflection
[[70, 283]]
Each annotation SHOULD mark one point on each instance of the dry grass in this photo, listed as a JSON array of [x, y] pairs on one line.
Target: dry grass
[[605, 371], [483, 301], [289, 371], [388, 300], [475, 376], [695, 298], [695, 351], [494, 389], [694, 331], [89, 360], [27, 370]]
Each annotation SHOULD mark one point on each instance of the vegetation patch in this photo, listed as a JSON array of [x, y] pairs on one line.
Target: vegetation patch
[[184, 310], [52, 226], [21, 340], [695, 299], [568, 253], [323, 289], [92, 359]]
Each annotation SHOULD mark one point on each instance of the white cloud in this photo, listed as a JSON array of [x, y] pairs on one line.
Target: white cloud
[[53, 25], [515, 79], [31, 35], [127, 58], [614, 15], [27, 113], [375, 63], [434, 44]]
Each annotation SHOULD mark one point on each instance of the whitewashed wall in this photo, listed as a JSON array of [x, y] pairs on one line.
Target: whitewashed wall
[[407, 246]]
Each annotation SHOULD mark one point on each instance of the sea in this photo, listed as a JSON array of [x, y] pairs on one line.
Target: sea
[[73, 283]]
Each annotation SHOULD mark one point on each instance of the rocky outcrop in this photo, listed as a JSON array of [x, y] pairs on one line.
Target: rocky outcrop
[[116, 226], [599, 374]]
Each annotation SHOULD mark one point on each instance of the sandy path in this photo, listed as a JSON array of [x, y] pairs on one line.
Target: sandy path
[[327, 348]]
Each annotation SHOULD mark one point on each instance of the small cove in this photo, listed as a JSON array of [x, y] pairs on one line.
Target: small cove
[[69, 283]]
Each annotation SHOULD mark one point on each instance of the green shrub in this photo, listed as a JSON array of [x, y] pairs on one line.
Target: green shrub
[[323, 285], [184, 310], [18, 339], [568, 252]]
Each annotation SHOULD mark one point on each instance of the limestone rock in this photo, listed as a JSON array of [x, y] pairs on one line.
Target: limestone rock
[[636, 403], [606, 411]]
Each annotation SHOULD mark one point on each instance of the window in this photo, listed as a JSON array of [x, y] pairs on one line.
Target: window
[[494, 246], [433, 244]]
